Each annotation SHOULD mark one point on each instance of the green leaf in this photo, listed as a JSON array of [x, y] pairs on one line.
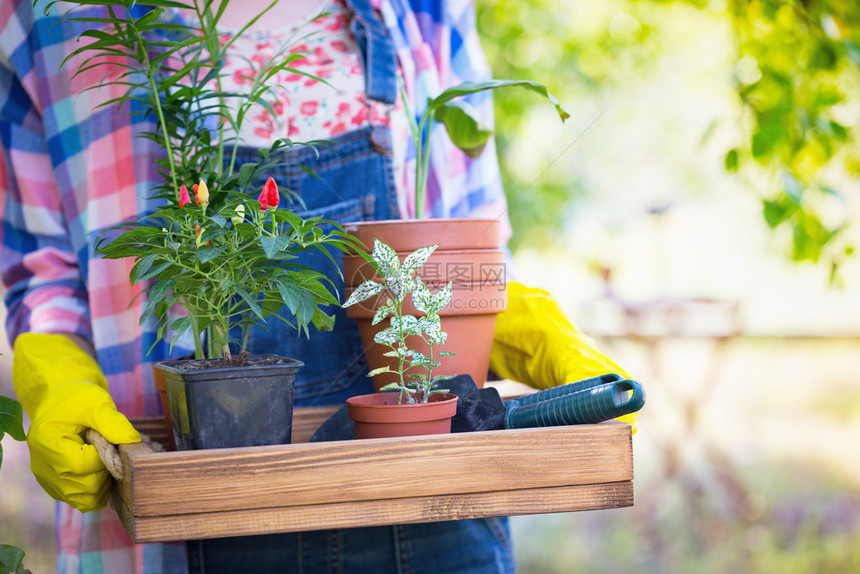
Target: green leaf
[[274, 245], [732, 160], [181, 325], [840, 132], [400, 284], [467, 88], [142, 266], [323, 321], [313, 282], [11, 418], [415, 260], [379, 371], [154, 271], [290, 292], [775, 212], [763, 142], [158, 292], [418, 359], [297, 298], [810, 237], [382, 313], [386, 260], [422, 298], [443, 297], [432, 327], [252, 304], [306, 308], [246, 172], [11, 558], [386, 337], [407, 324], [465, 130], [206, 253], [212, 232], [363, 292]]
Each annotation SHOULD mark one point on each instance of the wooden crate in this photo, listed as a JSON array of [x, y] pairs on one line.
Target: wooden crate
[[311, 486]]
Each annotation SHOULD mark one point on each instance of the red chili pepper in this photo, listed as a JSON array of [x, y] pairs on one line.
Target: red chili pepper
[[264, 200], [271, 191], [183, 196]]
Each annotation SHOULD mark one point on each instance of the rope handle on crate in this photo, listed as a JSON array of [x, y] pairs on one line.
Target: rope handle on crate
[[108, 452]]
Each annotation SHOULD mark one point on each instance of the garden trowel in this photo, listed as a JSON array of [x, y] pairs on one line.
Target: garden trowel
[[583, 402]]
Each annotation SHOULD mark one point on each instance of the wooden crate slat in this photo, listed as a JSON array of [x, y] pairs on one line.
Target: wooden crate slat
[[375, 512], [350, 471]]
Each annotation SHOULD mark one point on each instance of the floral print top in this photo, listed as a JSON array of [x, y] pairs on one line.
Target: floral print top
[[306, 109]]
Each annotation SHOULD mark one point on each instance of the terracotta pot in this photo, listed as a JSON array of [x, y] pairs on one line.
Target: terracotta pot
[[458, 265], [380, 416], [412, 234], [469, 256]]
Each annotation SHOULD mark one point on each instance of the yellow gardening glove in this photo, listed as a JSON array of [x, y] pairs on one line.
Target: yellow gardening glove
[[65, 393], [536, 344]]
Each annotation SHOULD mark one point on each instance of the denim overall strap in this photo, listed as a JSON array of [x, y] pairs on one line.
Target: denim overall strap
[[377, 52]]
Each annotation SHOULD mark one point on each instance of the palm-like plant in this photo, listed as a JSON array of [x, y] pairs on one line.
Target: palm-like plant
[[228, 261]]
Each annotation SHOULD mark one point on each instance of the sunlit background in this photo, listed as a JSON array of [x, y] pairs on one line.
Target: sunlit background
[[695, 216]]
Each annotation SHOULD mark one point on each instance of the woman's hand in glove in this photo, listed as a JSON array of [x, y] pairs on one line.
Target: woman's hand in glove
[[65, 393], [536, 344]]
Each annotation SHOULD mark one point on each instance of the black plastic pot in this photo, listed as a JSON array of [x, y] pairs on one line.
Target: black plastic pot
[[231, 406]]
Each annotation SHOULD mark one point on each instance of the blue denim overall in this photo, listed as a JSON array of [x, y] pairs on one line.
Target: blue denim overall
[[355, 182]]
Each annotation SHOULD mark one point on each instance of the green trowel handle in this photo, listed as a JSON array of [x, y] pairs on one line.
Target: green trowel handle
[[593, 405], [568, 389]]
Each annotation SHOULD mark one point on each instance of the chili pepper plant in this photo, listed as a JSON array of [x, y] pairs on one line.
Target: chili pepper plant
[[399, 280], [224, 259], [227, 267]]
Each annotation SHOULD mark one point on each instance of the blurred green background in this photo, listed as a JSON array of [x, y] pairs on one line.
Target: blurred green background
[[695, 215]]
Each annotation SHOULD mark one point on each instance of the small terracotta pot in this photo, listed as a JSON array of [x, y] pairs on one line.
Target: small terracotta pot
[[380, 416]]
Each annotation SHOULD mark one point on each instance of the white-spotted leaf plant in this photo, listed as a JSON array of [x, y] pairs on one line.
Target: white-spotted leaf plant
[[399, 280]]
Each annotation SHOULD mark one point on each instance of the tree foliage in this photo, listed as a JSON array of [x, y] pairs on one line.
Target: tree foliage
[[796, 78]]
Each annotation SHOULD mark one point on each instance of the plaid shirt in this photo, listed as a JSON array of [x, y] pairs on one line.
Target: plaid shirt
[[69, 169]]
